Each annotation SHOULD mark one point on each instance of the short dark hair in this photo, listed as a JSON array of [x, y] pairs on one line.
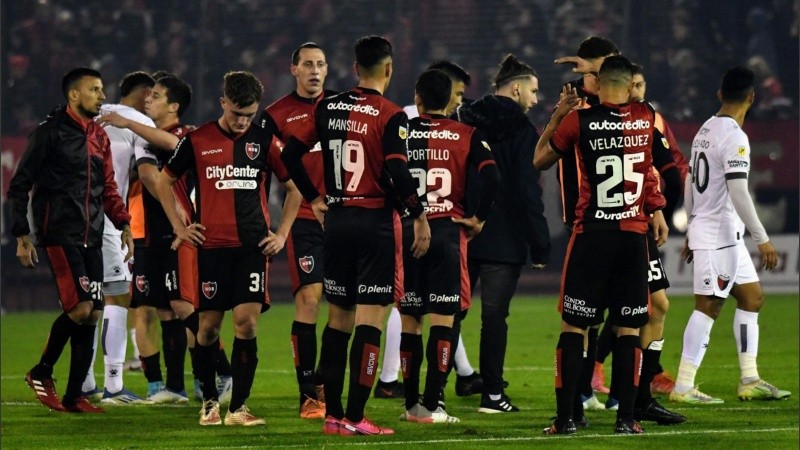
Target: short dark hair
[[178, 91], [595, 47], [159, 74], [296, 53], [434, 88], [243, 88], [637, 69], [134, 80], [453, 70], [511, 68], [736, 85], [371, 50], [616, 67], [75, 75]]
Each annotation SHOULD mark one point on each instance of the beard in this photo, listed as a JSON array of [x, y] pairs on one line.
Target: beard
[[88, 113]]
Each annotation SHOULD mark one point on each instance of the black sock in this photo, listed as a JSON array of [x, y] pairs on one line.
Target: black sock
[[204, 357], [80, 360], [192, 322], [332, 365], [151, 365], [60, 332], [243, 367], [304, 349], [223, 366], [569, 359], [439, 355], [173, 337], [410, 362], [605, 341], [625, 366], [456, 332], [587, 368], [191, 359], [364, 358], [650, 368]]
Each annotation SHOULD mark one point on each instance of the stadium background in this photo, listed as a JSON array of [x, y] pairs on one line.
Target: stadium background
[[684, 46]]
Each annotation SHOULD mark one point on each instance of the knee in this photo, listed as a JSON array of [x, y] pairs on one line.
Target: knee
[[659, 309], [84, 314], [245, 327]]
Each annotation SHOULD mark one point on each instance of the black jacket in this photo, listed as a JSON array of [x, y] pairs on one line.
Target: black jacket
[[516, 227], [68, 165]]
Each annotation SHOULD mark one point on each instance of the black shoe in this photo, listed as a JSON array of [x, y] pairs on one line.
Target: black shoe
[[389, 390], [657, 413], [468, 385], [582, 422], [490, 406], [627, 427], [565, 428]]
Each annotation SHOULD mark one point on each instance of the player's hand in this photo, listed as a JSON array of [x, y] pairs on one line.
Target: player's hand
[[26, 252], [191, 234], [659, 227], [581, 65], [472, 226], [113, 119], [272, 244], [769, 257], [686, 252], [422, 236], [127, 242], [568, 100], [319, 207]]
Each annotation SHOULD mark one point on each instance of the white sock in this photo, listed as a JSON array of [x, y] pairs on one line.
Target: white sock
[[90, 383], [695, 341], [745, 329], [391, 355], [136, 353], [463, 367], [115, 336]]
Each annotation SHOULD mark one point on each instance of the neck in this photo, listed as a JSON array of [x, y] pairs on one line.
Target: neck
[[736, 111], [614, 96], [430, 112], [372, 83], [79, 112], [305, 94], [166, 122]]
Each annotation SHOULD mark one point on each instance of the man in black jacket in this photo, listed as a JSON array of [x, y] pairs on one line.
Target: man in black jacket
[[68, 165], [516, 228]]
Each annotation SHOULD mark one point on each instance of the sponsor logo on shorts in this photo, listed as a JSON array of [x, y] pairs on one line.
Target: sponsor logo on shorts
[[306, 263], [84, 281], [331, 288], [374, 289], [722, 281], [117, 270], [142, 284], [209, 289], [433, 298], [577, 307], [628, 311], [252, 150], [411, 299], [706, 281]]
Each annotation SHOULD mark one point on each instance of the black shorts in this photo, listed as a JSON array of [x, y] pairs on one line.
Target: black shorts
[[232, 276], [161, 274], [438, 282], [304, 250], [78, 272], [363, 256], [605, 270], [656, 275]]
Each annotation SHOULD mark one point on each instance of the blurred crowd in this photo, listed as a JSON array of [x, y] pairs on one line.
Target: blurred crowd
[[684, 45]]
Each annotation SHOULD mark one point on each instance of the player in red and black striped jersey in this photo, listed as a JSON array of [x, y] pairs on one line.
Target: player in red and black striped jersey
[[293, 115], [232, 159], [440, 151], [363, 139], [618, 192]]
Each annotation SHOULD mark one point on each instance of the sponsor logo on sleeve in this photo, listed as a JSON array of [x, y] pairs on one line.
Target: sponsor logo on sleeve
[[486, 145], [742, 150], [402, 132], [665, 142]]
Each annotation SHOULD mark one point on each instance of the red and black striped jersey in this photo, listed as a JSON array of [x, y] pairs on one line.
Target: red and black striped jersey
[[231, 169], [439, 152], [293, 115], [359, 131], [617, 188]]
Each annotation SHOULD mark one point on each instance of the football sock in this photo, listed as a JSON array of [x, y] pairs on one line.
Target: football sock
[[244, 356], [461, 361], [332, 365], [173, 337], [391, 352], [626, 366], [204, 357], [60, 332], [90, 383], [411, 362], [151, 365], [605, 341], [192, 322], [115, 341], [304, 351], [695, 342], [745, 329], [439, 354], [587, 368], [364, 357], [651, 366], [81, 357], [569, 360], [192, 360], [223, 366]]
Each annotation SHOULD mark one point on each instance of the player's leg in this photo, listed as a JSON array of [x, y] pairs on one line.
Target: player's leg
[[412, 354], [388, 385]]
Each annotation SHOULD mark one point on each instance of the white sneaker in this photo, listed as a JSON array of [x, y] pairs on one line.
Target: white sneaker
[[421, 414], [694, 397], [225, 389], [242, 417], [592, 403], [760, 390], [209, 413], [123, 397], [165, 396]]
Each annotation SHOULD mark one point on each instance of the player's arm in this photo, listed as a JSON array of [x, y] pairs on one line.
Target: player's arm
[[664, 162], [292, 158], [155, 136], [274, 242], [480, 156], [177, 166], [113, 205], [546, 153], [743, 204]]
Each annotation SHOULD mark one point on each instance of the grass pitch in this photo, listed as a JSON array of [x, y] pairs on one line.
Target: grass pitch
[[533, 332]]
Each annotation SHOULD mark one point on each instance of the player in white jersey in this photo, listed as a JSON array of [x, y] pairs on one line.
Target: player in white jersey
[[134, 87], [720, 208]]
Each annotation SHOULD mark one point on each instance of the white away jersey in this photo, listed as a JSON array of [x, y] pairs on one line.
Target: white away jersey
[[720, 151]]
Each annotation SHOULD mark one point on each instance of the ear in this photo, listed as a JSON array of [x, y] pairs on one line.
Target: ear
[[751, 97], [355, 70], [222, 102], [719, 94], [173, 107], [387, 69], [417, 101], [73, 95], [293, 69]]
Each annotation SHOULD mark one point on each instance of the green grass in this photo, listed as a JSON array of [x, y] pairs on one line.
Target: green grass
[[529, 369]]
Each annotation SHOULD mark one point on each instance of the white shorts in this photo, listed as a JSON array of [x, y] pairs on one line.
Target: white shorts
[[114, 266], [716, 271]]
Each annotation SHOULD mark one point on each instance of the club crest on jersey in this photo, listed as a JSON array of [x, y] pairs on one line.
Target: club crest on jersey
[[142, 284], [209, 289], [306, 263], [252, 150], [84, 281], [722, 281]]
